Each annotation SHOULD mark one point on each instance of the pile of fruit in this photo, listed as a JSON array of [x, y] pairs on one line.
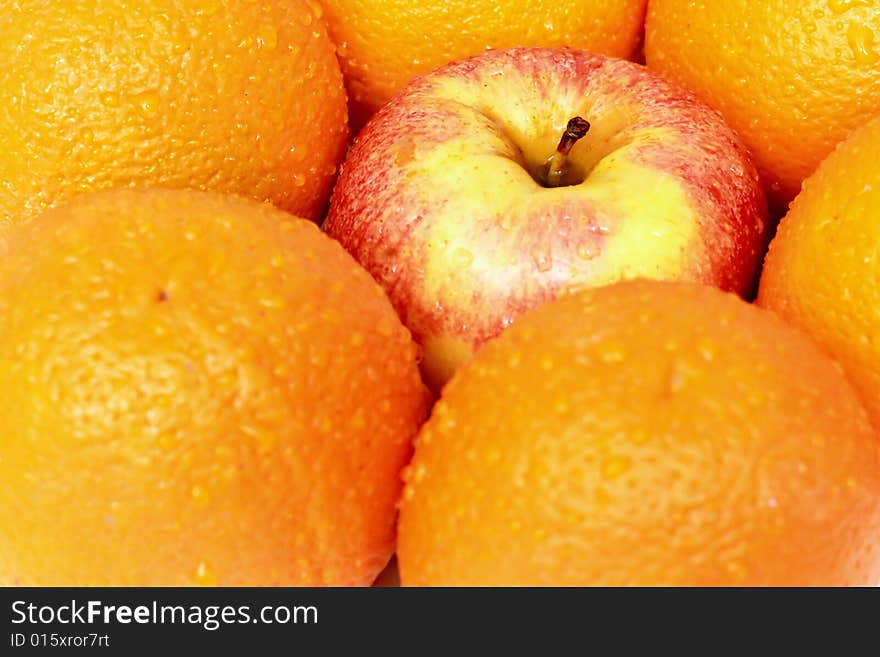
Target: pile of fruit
[[581, 292]]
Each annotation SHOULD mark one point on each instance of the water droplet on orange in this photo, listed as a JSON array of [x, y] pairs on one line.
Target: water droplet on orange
[[615, 467], [860, 38], [610, 352], [204, 575], [267, 36], [146, 103]]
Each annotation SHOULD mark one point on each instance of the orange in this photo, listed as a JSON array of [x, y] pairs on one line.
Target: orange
[[196, 389], [229, 96], [640, 434], [822, 273], [793, 77], [384, 43]]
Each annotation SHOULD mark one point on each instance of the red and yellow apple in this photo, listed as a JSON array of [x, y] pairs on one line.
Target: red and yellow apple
[[474, 195]]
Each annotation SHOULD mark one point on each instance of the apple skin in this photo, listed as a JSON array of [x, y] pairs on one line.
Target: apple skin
[[437, 201]]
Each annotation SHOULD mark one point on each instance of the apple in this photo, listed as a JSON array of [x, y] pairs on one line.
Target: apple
[[495, 183]]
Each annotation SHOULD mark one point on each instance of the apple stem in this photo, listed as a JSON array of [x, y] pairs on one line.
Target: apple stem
[[557, 164]]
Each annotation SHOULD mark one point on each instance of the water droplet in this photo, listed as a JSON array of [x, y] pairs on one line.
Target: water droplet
[[860, 38], [265, 440], [615, 467], [204, 575], [267, 36], [756, 398], [385, 328], [199, 495], [677, 379], [273, 302], [841, 6], [586, 251], [639, 437], [736, 569], [707, 349], [462, 258], [299, 180], [543, 259], [110, 99], [358, 421], [146, 103], [405, 152], [610, 352]]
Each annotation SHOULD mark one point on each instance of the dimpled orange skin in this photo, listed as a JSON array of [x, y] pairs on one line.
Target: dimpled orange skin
[[384, 43], [644, 433], [196, 389], [822, 273], [792, 77], [242, 97]]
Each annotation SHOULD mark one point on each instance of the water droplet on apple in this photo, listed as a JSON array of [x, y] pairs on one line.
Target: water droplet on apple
[[587, 251], [543, 259], [405, 152], [462, 258]]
